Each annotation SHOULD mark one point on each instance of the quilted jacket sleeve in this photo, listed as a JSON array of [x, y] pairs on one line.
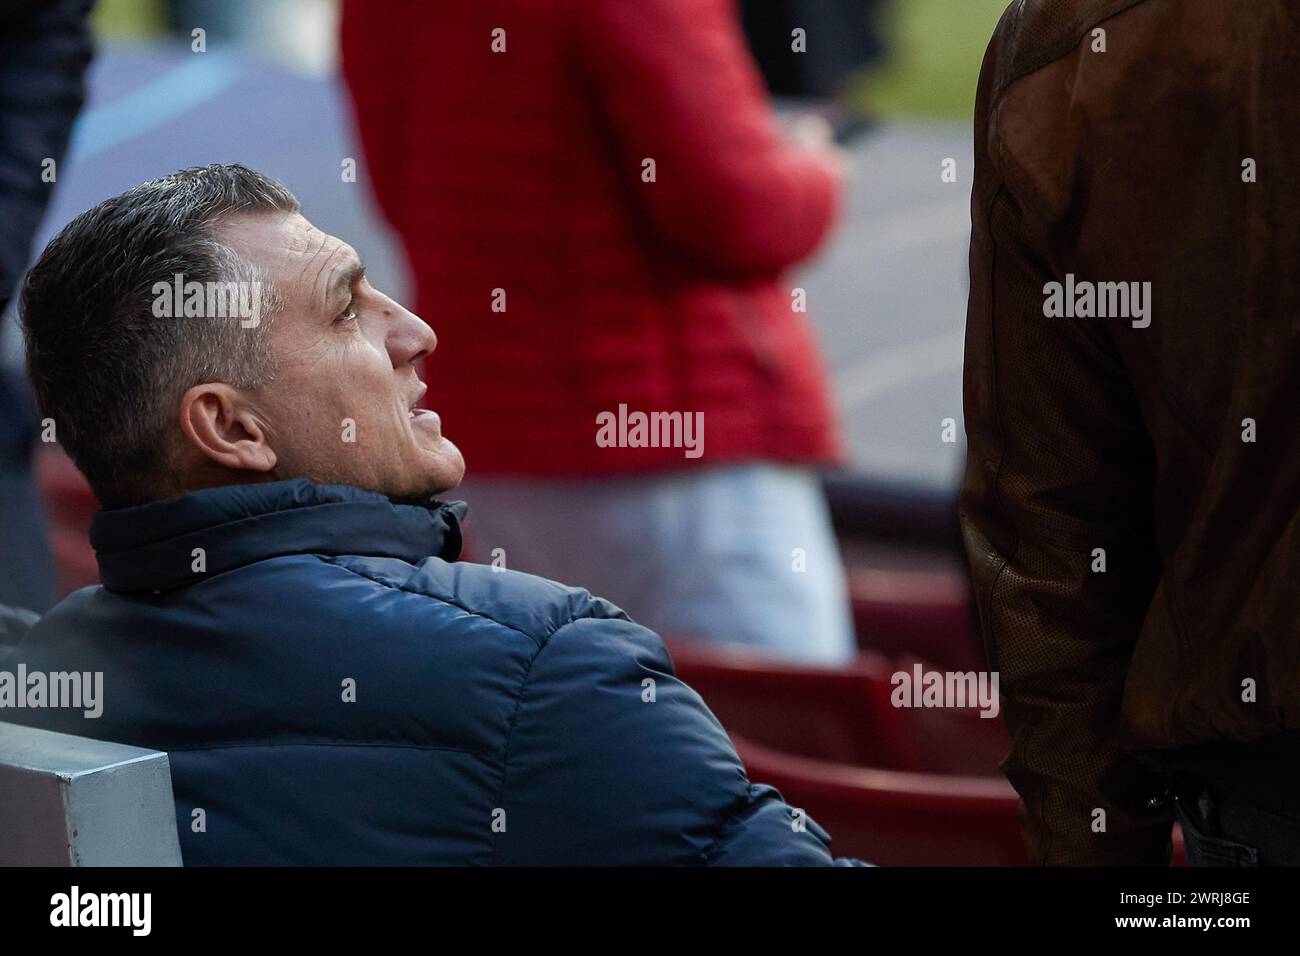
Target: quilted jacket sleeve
[[679, 87], [617, 761]]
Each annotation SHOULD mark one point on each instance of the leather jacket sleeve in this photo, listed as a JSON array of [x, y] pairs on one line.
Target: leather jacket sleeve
[[1055, 510]]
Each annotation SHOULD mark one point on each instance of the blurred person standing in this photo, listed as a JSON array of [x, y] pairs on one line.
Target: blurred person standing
[[810, 50], [598, 204], [45, 48]]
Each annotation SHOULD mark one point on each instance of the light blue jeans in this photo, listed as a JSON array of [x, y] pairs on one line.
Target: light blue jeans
[[742, 554]]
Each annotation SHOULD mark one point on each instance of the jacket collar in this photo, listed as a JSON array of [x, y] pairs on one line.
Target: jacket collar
[[151, 547]]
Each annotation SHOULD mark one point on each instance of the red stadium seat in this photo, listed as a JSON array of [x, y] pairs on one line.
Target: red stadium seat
[[893, 818], [837, 714], [842, 715], [954, 740], [925, 613], [903, 819]]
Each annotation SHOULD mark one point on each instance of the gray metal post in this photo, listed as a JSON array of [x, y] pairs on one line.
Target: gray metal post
[[72, 801]]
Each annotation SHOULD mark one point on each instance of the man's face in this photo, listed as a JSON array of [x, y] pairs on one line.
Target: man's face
[[342, 406]]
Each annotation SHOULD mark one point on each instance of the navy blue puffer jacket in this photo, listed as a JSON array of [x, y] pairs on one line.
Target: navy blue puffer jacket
[[499, 718]]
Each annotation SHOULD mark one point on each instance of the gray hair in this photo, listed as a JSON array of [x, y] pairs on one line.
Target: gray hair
[[105, 367]]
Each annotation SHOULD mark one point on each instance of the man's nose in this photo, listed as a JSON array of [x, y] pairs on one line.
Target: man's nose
[[409, 337]]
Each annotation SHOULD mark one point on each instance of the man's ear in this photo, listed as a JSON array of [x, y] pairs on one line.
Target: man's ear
[[219, 422]]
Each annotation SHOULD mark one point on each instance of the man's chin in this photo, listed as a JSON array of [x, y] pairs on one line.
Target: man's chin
[[422, 474], [444, 468]]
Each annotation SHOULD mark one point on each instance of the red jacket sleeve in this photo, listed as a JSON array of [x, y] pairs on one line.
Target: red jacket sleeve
[[381, 106], [680, 88]]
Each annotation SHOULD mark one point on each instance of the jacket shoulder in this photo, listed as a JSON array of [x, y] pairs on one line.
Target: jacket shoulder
[[526, 603], [1034, 33]]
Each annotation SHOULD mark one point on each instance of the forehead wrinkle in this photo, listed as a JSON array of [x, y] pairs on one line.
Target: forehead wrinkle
[[311, 254], [315, 291]]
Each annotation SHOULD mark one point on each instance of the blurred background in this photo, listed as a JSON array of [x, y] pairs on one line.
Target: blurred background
[[887, 298]]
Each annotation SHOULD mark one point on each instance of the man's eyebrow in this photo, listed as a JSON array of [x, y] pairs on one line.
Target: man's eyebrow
[[344, 280]]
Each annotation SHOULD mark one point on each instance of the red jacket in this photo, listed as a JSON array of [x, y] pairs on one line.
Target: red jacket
[[522, 171]]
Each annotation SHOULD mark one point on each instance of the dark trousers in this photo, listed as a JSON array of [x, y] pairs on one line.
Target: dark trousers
[[1231, 823]]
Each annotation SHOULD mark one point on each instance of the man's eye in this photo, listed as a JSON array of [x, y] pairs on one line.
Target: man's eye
[[349, 315]]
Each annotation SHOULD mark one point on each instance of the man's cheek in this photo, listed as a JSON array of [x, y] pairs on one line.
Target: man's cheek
[[369, 349], [325, 424]]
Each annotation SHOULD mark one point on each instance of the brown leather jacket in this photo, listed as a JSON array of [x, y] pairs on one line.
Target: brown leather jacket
[[1163, 150]]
